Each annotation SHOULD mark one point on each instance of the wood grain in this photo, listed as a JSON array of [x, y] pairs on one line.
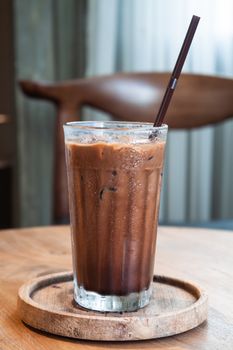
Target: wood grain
[[203, 256], [46, 303]]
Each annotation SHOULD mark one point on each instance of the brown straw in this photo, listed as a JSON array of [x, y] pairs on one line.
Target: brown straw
[[176, 71]]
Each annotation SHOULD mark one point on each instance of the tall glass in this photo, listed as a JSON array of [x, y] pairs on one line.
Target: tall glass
[[114, 178]]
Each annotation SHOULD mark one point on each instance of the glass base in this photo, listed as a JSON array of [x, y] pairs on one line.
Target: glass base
[[111, 303]]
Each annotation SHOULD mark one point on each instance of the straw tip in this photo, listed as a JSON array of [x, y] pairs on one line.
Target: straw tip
[[197, 18]]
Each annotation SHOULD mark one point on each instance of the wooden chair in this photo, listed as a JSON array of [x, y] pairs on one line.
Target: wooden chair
[[198, 100]]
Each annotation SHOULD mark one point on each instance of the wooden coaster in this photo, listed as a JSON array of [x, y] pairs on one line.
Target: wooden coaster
[[46, 303]]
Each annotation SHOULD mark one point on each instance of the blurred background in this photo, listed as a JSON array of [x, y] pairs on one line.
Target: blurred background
[[66, 39]]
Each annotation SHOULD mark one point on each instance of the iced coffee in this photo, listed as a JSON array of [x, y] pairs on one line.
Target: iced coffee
[[114, 178]]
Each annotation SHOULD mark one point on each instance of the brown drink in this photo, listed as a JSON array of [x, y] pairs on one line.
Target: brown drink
[[114, 190]]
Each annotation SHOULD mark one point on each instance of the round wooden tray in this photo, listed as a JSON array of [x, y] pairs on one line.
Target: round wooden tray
[[46, 303]]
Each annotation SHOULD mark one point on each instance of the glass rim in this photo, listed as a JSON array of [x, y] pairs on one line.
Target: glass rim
[[116, 126]]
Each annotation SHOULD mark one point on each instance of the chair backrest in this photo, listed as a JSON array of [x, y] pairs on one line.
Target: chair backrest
[[199, 100]]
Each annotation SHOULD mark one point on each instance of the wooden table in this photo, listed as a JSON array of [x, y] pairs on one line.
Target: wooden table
[[203, 256]]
